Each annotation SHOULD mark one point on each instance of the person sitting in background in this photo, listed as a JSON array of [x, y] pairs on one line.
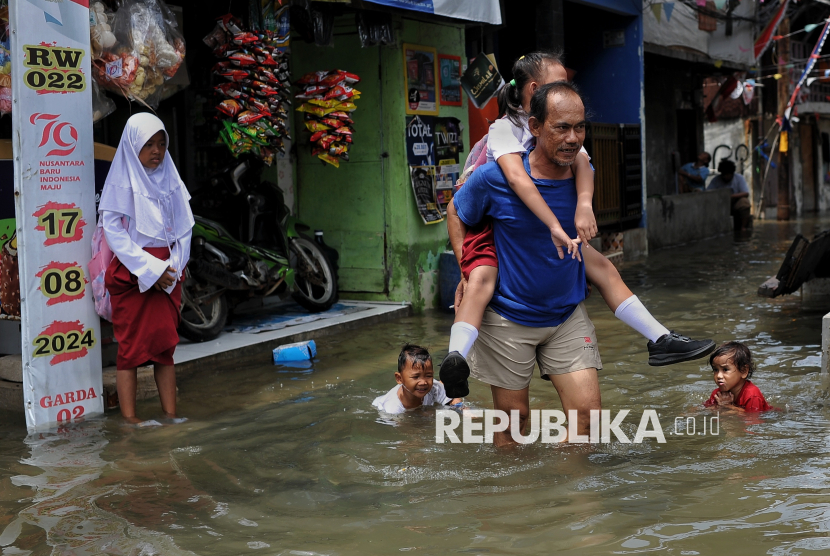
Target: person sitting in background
[[740, 193], [692, 176]]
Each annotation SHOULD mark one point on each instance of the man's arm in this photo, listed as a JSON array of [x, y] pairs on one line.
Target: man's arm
[[694, 177], [739, 195], [457, 229]]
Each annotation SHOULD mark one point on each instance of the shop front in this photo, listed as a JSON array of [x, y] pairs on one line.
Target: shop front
[[354, 110]]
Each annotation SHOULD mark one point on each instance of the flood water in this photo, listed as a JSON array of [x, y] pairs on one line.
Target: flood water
[[292, 461]]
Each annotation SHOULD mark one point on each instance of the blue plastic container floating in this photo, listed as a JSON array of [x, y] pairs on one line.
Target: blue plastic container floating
[[300, 351]]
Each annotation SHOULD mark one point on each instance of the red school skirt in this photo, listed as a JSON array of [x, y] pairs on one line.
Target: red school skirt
[[144, 324], [479, 248]]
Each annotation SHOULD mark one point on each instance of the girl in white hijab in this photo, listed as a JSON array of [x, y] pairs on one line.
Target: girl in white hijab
[[147, 222]]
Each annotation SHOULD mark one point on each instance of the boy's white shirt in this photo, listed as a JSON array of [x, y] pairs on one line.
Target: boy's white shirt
[[505, 137], [390, 403]]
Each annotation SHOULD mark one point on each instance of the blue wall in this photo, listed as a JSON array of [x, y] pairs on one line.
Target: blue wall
[[609, 78]]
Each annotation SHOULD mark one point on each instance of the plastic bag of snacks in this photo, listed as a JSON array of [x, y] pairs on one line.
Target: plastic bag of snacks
[[328, 101], [5, 60], [102, 106], [148, 49], [254, 99]]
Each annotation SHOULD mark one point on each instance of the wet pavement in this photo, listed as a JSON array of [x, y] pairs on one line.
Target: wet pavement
[[295, 461]]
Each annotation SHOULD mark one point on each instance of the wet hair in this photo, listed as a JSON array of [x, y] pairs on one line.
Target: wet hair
[[526, 69], [726, 167], [416, 355], [737, 353], [539, 102]]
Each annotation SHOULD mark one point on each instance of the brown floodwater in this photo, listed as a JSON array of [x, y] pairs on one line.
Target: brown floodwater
[[285, 461]]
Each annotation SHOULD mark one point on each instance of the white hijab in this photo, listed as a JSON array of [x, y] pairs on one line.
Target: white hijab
[[155, 200]]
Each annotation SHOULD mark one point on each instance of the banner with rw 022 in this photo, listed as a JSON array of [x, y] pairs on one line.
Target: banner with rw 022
[[54, 188]]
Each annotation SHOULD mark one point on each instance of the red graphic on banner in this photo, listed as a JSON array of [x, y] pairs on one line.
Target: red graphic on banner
[[55, 131], [62, 222], [63, 341], [62, 282]]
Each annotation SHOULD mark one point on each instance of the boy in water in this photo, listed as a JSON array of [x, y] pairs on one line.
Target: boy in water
[[416, 387]]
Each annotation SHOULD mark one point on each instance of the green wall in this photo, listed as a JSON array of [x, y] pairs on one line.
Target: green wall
[[366, 207]]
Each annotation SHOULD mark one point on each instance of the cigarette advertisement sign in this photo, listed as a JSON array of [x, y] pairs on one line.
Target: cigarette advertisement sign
[[54, 191], [433, 146]]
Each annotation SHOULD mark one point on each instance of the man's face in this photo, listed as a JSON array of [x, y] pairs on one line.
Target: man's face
[[561, 135], [704, 159], [727, 177]]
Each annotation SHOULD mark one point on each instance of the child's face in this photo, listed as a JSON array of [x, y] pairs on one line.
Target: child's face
[[416, 380], [727, 375], [152, 153]]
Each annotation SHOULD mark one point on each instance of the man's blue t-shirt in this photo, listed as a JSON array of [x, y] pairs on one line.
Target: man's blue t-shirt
[[702, 173], [535, 287]]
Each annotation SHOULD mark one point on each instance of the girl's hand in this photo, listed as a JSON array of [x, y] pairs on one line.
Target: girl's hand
[[724, 398], [585, 222], [562, 241], [167, 279]]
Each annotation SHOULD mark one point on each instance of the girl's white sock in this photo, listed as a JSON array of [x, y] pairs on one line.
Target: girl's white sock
[[462, 338], [633, 313]]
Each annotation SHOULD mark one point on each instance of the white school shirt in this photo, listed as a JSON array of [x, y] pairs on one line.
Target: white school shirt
[[505, 137], [390, 403], [128, 245]]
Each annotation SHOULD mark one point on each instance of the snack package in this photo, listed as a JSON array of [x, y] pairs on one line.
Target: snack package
[[147, 48], [328, 99], [253, 104]]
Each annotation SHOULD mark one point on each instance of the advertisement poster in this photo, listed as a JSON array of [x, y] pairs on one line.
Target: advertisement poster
[[420, 66], [433, 146], [54, 189], [420, 155], [448, 146], [9, 281], [481, 80], [450, 71]]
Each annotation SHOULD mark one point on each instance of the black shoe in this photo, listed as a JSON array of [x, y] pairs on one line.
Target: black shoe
[[674, 348], [454, 374]]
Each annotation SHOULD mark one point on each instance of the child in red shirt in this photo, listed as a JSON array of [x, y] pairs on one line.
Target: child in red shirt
[[732, 366]]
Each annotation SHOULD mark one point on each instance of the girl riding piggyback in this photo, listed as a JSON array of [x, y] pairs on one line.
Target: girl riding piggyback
[[508, 139]]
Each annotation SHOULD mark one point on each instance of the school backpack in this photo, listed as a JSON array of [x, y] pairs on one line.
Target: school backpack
[[476, 158], [102, 256]]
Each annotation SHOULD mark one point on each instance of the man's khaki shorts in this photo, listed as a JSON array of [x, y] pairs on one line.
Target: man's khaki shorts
[[505, 352]]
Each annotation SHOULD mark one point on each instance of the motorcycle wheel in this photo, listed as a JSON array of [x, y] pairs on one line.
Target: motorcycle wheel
[[204, 310], [315, 282]]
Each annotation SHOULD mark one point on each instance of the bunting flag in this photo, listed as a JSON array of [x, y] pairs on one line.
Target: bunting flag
[[765, 38], [810, 63], [701, 3], [668, 7], [657, 9], [720, 4]]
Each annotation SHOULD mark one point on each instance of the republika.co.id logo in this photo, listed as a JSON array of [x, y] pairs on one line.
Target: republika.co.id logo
[[62, 135]]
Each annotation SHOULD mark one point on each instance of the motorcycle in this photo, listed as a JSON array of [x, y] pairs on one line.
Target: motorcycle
[[246, 244]]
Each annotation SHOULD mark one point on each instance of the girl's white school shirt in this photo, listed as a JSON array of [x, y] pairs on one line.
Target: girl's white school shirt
[[128, 245], [505, 137]]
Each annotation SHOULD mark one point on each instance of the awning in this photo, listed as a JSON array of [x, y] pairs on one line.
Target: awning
[[486, 11]]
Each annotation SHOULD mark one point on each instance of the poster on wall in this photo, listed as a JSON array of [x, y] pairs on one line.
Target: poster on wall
[[54, 189], [420, 66], [433, 148], [449, 68], [9, 281], [481, 79], [448, 147], [420, 155]]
